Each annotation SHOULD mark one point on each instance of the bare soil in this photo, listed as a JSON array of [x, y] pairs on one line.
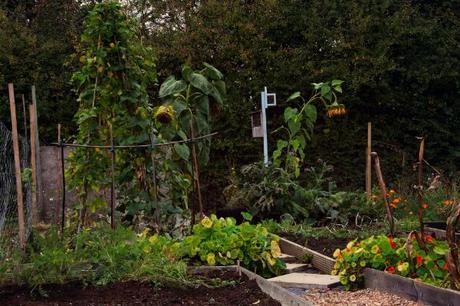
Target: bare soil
[[244, 292], [325, 246]]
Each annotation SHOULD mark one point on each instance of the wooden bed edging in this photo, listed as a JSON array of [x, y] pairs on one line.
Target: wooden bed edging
[[410, 289], [322, 262], [278, 293]]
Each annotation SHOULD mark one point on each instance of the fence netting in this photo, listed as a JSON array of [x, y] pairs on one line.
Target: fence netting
[[9, 237]]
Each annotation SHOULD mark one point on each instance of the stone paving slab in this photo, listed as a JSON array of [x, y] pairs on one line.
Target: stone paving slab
[[306, 280], [295, 267], [288, 258]]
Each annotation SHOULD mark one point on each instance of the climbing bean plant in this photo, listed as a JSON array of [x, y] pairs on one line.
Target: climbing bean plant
[[111, 83]]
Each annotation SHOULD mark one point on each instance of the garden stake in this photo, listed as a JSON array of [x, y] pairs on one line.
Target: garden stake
[[17, 167], [369, 161], [420, 190], [196, 171], [383, 189], [33, 163], [452, 256], [63, 180], [37, 154], [25, 126], [112, 186]]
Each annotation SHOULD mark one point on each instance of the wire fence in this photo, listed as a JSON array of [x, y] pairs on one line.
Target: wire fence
[[9, 237]]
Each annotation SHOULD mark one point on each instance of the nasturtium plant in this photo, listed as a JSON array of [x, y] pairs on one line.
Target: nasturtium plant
[[393, 255], [299, 124], [111, 83], [219, 241]]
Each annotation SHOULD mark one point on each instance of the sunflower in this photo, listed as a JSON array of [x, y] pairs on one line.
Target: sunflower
[[164, 114], [335, 110]]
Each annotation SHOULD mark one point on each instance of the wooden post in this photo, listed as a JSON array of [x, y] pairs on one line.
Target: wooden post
[[37, 154], [61, 146], [33, 162], [383, 189], [25, 128], [112, 186], [156, 214], [17, 166], [421, 152], [369, 161]]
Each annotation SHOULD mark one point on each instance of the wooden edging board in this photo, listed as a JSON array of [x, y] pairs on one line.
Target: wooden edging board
[[321, 262], [277, 292], [440, 233], [408, 288]]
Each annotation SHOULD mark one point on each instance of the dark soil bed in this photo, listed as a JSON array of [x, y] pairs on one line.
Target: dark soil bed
[[325, 246], [244, 292]]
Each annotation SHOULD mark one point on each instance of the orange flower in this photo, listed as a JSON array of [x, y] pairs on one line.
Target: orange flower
[[391, 270], [424, 205], [419, 260], [392, 205], [336, 110], [446, 266], [396, 200], [448, 202], [392, 191], [428, 238]]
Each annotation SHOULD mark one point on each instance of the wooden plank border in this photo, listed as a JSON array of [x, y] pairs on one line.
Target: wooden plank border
[[410, 289], [321, 262]]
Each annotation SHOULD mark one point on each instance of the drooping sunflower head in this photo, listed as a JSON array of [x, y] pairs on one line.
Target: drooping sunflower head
[[336, 109], [164, 114]]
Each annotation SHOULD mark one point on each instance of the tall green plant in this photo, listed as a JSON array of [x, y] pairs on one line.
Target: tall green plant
[[299, 124], [115, 72]]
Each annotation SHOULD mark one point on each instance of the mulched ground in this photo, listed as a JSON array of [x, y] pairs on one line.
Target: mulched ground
[[245, 292], [366, 297]]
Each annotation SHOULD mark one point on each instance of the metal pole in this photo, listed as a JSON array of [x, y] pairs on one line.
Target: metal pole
[[264, 123]]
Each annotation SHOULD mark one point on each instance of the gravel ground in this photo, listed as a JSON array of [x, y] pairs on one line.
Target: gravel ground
[[366, 297]]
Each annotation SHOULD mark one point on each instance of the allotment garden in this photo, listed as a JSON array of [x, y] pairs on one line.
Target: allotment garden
[[132, 224]]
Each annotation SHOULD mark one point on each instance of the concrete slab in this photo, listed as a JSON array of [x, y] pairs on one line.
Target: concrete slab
[[306, 280], [288, 258], [295, 267]]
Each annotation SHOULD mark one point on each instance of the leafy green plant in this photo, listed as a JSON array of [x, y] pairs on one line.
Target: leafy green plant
[[96, 256], [300, 124], [219, 241], [114, 74], [400, 256]]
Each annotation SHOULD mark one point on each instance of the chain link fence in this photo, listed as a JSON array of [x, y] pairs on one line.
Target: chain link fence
[[9, 228]]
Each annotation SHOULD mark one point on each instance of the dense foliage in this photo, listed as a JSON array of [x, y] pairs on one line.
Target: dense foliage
[[394, 255], [221, 242], [95, 256]]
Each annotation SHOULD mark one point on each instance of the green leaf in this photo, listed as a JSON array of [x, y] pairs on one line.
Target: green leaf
[[281, 144], [212, 72], [326, 92], [310, 111], [186, 72], [172, 86], [182, 150], [246, 216], [200, 82], [294, 96], [336, 82], [294, 127], [289, 112], [441, 250]]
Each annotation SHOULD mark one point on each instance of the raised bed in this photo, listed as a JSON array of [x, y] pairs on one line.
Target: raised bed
[[321, 262], [408, 288], [439, 229], [282, 295]]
